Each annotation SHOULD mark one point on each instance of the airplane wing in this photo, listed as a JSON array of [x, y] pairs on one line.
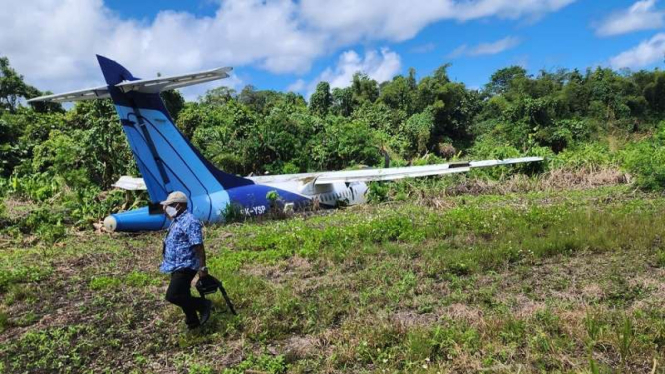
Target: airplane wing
[[366, 175], [389, 174], [156, 85]]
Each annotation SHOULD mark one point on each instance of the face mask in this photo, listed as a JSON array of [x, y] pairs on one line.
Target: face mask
[[171, 211]]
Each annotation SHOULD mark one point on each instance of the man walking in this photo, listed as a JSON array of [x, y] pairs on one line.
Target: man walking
[[184, 256]]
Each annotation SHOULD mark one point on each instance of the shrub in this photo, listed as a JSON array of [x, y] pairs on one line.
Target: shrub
[[592, 156], [646, 161], [378, 192]]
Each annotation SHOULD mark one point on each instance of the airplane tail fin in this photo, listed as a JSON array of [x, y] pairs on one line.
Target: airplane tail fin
[[166, 159]]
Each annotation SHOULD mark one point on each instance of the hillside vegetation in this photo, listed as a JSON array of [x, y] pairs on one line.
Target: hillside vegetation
[[56, 165], [548, 267]]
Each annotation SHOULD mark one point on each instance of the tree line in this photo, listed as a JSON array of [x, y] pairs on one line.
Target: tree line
[[407, 120]]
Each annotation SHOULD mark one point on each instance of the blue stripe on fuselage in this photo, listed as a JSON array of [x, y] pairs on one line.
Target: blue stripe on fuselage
[[252, 199]]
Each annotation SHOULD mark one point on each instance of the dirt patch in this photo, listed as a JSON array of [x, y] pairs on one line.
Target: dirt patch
[[463, 312], [413, 319], [295, 267], [299, 347]]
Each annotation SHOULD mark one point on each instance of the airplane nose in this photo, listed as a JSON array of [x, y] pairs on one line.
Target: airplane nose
[[110, 223]]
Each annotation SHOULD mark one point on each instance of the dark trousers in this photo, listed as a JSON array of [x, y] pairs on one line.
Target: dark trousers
[[179, 294]]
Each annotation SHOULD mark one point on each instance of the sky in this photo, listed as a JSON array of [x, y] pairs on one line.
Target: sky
[[291, 45]]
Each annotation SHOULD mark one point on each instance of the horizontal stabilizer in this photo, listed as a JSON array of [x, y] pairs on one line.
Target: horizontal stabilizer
[[170, 83], [87, 94], [150, 86]]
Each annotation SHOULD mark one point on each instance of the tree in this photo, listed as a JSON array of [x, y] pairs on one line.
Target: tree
[[218, 96], [13, 88], [260, 102], [654, 93], [321, 99], [174, 102], [501, 80], [342, 101], [400, 94], [364, 89], [453, 106]]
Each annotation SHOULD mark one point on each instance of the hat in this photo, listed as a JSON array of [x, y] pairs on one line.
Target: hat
[[175, 197]]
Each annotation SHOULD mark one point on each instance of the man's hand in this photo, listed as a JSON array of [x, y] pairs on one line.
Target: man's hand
[[201, 256], [203, 272]]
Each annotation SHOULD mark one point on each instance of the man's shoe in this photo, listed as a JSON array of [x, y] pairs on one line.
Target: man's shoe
[[193, 326], [205, 313]]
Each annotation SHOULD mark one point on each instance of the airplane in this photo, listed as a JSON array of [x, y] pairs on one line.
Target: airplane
[[168, 162]]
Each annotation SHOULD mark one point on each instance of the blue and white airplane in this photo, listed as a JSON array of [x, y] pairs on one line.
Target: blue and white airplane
[[168, 161]]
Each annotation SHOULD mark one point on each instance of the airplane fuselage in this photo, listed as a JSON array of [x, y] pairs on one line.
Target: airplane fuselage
[[247, 201]]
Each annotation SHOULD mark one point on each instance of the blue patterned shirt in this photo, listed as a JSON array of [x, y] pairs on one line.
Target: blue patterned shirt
[[185, 232]]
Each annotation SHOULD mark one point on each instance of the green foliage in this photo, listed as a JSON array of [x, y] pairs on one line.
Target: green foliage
[[378, 192], [625, 337], [417, 130], [264, 363], [13, 88], [321, 100], [591, 156], [646, 161], [272, 196], [174, 102]]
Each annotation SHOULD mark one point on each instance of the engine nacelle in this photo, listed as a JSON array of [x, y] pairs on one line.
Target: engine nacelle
[[136, 220]]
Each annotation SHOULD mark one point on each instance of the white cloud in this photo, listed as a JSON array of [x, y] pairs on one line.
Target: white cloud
[[510, 9], [486, 48], [379, 65], [194, 92], [424, 48], [53, 42], [646, 53], [297, 86], [352, 20], [640, 16]]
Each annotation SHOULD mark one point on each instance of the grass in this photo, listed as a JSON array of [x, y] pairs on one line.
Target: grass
[[563, 281]]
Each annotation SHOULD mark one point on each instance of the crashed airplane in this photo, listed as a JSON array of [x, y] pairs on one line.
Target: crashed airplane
[[168, 161]]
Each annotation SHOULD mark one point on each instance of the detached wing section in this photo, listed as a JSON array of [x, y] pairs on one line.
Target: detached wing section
[[142, 85]]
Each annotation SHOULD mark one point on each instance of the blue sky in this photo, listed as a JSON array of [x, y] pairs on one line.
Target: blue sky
[[288, 44]]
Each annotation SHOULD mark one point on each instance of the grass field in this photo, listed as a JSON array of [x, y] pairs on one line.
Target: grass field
[[568, 281]]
